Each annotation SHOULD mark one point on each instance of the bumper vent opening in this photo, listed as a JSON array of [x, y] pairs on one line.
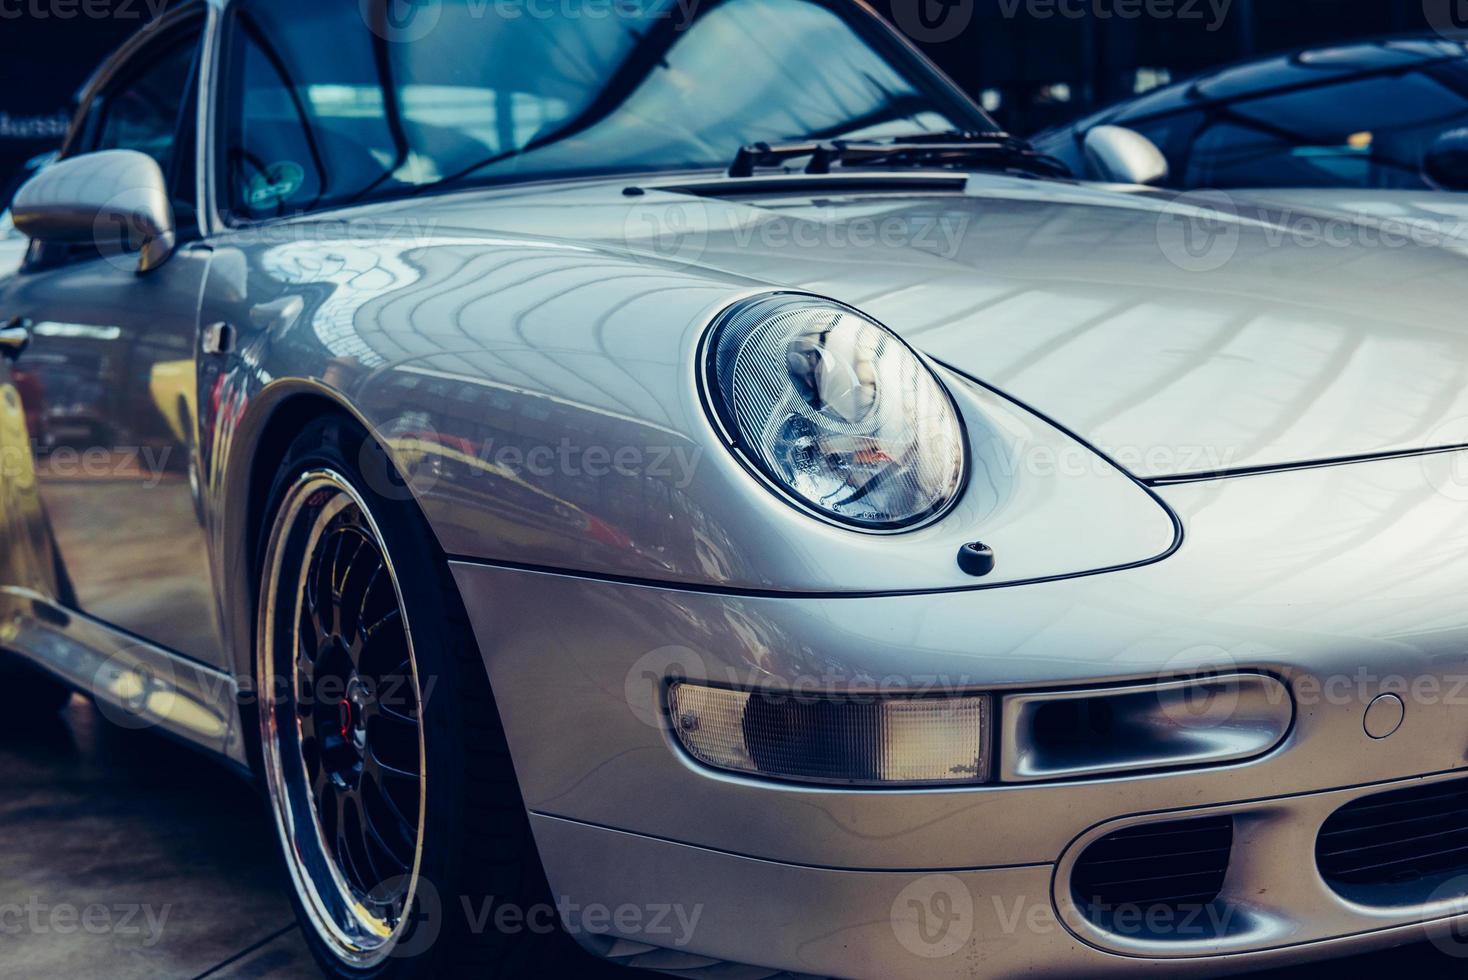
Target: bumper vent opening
[[1157, 880], [1397, 848]]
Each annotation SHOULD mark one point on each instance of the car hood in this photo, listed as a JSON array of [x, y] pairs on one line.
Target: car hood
[[1182, 335]]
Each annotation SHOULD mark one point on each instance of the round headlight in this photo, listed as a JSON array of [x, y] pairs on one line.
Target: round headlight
[[836, 411]]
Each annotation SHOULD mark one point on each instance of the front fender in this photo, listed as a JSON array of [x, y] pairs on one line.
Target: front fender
[[541, 401]]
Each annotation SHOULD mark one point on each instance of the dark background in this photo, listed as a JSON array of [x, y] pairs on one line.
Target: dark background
[[43, 61], [1033, 63], [1037, 63]]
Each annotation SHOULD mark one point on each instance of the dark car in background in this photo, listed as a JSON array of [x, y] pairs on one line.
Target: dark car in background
[[1382, 115]]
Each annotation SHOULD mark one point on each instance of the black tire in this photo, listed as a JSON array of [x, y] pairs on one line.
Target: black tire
[[476, 845]]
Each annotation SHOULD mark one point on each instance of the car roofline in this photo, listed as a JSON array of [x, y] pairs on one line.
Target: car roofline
[[1107, 114]]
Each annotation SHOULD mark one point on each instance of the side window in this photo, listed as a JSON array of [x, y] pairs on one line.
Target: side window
[[142, 112], [151, 110], [273, 153], [1368, 133]]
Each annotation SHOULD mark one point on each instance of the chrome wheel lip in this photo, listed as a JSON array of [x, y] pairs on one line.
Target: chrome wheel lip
[[356, 937]]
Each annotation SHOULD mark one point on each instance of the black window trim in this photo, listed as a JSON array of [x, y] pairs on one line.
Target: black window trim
[[238, 24], [125, 64], [121, 66], [137, 65]]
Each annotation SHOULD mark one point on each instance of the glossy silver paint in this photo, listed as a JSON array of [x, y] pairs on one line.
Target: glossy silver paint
[[1107, 380], [1196, 721], [1123, 156], [1339, 581], [89, 198]]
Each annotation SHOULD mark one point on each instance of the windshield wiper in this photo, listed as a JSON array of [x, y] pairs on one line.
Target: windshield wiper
[[999, 150]]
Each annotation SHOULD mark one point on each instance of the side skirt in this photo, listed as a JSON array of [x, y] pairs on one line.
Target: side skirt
[[135, 684]]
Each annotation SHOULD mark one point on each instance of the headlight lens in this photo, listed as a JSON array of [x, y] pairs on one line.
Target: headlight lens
[[837, 411]]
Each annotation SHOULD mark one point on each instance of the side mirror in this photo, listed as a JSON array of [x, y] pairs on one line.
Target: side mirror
[[1119, 155], [1446, 163], [115, 199], [32, 167]]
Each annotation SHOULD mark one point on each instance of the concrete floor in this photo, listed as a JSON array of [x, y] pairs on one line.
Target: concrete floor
[[168, 853], [126, 856]]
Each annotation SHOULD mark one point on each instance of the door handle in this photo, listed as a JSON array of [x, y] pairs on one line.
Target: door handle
[[15, 337]]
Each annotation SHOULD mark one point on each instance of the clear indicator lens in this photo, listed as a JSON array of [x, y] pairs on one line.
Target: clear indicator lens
[[863, 741], [838, 411]]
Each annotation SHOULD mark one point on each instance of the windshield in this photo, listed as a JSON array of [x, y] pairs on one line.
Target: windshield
[[477, 91]]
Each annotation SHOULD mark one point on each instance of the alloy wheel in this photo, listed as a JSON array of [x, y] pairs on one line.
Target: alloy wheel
[[342, 728]]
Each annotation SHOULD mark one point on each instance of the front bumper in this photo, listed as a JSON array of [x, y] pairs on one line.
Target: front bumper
[[1343, 581]]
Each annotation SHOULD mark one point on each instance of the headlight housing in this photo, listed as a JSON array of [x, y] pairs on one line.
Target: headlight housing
[[862, 740], [835, 411]]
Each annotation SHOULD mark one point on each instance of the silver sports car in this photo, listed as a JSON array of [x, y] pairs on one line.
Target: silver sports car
[[674, 482]]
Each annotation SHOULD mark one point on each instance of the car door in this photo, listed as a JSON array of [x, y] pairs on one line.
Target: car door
[[26, 558], [111, 364]]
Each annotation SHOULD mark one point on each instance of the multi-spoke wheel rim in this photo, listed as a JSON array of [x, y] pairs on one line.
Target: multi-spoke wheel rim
[[341, 725]]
